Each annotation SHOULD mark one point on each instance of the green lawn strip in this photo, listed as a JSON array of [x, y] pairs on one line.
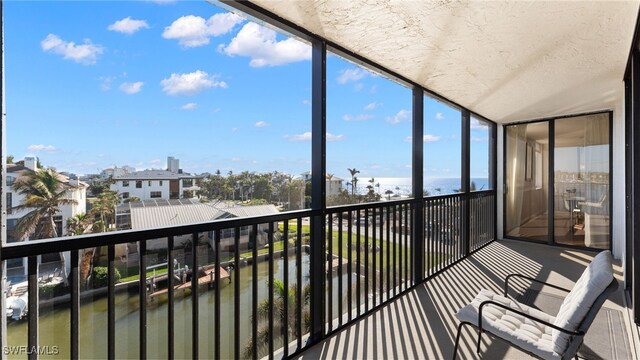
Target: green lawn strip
[[158, 271], [436, 258], [277, 246]]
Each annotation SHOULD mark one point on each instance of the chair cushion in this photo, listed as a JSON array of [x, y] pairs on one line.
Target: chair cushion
[[594, 280], [529, 335]]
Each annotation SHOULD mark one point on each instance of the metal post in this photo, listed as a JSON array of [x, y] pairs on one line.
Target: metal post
[[318, 188], [417, 183], [493, 175], [466, 180]]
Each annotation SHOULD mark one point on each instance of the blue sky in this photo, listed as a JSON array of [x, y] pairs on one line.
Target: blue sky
[[90, 85]]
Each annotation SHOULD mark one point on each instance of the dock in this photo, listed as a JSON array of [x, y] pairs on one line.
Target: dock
[[207, 276]]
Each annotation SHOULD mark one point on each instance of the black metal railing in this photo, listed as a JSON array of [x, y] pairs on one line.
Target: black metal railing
[[444, 242], [234, 288], [482, 219]]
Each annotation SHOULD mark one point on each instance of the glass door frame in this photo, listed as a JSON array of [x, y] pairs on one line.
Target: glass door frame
[[551, 181]]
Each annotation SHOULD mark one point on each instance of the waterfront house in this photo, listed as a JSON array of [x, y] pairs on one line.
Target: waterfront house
[[75, 189]]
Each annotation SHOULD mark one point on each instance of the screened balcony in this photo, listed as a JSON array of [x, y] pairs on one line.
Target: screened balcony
[[353, 272]]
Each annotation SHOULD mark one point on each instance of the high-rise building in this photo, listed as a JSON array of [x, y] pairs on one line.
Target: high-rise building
[[173, 164]]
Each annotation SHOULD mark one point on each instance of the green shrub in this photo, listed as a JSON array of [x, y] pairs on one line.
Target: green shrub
[[47, 291], [101, 276]]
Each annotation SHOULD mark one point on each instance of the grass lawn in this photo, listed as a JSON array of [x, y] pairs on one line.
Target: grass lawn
[[381, 255], [158, 271], [277, 246]]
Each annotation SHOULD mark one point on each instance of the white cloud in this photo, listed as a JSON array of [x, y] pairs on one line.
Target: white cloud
[[358, 87], [190, 83], [478, 125], [360, 117], [439, 116], [306, 102], [189, 106], [260, 44], [194, 31], [372, 106], [154, 161], [128, 25], [479, 139], [131, 88], [261, 124], [41, 148], [349, 75], [85, 54], [399, 117], [306, 136], [332, 137]]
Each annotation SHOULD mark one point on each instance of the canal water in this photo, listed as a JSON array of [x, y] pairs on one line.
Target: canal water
[[54, 322]]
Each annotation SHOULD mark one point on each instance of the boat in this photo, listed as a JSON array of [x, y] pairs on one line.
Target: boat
[[17, 306]]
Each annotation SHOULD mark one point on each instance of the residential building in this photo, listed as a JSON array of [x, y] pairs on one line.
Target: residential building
[[116, 172], [150, 214], [75, 190], [333, 183], [173, 164], [156, 184]]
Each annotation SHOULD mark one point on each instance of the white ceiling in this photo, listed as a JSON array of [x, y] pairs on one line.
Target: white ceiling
[[506, 60]]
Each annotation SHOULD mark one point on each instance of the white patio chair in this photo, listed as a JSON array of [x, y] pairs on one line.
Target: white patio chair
[[533, 331]]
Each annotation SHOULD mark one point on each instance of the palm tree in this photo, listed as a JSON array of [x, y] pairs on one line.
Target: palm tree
[[78, 225], [355, 184], [104, 210], [44, 193], [388, 193], [283, 321], [354, 180]]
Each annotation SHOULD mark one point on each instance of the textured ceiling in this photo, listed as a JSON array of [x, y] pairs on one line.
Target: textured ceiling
[[505, 60]]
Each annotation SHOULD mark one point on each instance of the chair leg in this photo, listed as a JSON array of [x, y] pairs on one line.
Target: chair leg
[[455, 346], [479, 339]]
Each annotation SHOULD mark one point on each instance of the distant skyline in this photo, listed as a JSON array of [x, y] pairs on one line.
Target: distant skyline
[[104, 84]]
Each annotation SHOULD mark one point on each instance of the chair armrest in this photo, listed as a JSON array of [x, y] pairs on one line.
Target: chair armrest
[[491, 302], [506, 283]]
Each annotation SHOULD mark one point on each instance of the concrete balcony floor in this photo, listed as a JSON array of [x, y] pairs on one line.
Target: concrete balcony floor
[[422, 325]]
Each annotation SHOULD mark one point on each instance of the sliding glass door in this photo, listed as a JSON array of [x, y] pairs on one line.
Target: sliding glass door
[[581, 181], [527, 169], [580, 191]]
